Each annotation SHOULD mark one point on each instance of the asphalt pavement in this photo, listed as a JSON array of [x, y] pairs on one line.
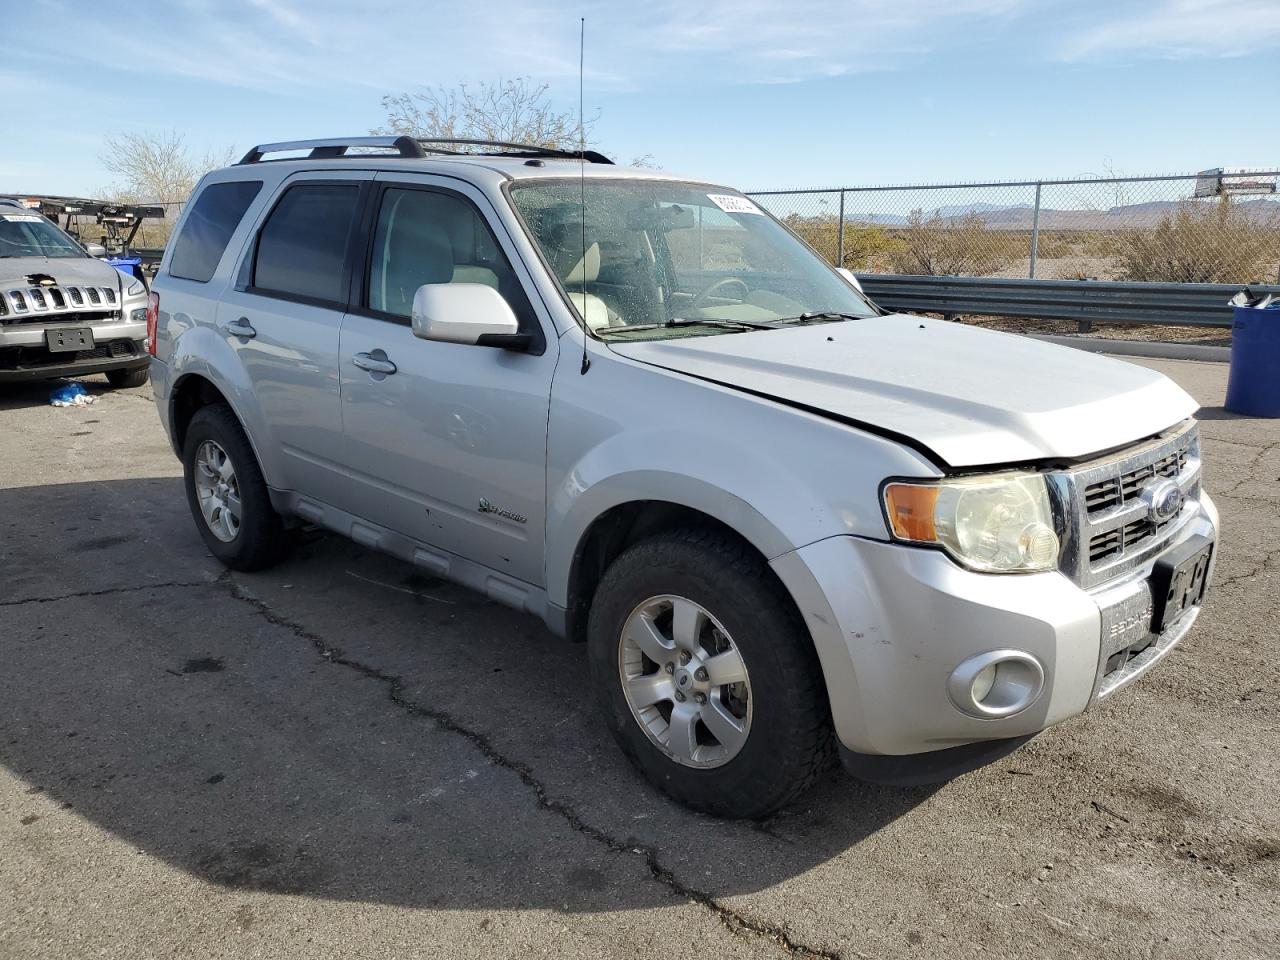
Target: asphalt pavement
[[343, 758]]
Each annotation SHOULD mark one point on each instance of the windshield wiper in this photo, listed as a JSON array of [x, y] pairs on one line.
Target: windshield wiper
[[824, 315], [715, 322], [690, 322]]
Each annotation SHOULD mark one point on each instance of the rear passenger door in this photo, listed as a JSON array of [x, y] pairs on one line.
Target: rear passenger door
[[450, 447], [283, 317]]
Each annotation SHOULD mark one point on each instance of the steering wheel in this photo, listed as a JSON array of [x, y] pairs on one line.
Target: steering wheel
[[717, 285]]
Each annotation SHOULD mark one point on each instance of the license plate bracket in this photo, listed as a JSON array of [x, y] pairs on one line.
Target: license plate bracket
[[1178, 581], [69, 339]]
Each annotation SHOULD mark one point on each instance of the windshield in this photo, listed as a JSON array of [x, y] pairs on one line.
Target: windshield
[[31, 235], [668, 259]]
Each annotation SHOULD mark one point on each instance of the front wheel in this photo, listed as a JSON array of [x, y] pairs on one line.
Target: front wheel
[[706, 675], [121, 379]]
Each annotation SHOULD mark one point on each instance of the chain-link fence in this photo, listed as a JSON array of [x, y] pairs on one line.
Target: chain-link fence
[[1185, 228]]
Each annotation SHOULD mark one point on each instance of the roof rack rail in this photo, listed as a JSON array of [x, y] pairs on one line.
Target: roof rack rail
[[515, 149], [418, 148], [406, 146]]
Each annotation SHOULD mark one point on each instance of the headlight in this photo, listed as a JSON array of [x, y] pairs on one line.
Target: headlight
[[997, 524], [136, 289]]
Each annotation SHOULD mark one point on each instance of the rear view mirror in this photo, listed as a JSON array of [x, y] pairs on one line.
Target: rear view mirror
[[470, 313], [663, 219], [95, 249], [848, 275]]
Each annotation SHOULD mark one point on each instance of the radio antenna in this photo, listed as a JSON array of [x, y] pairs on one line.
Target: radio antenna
[[582, 190]]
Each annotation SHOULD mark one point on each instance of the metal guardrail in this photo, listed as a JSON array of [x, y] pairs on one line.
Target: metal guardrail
[[1085, 301]]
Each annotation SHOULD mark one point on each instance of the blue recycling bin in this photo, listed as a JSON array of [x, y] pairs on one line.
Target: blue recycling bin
[[1253, 387], [131, 266]]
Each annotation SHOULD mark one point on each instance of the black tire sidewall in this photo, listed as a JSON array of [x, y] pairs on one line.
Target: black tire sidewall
[[126, 378], [790, 716], [259, 541]]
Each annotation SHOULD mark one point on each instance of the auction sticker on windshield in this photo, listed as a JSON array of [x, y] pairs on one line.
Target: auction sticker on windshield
[[21, 218], [731, 204]]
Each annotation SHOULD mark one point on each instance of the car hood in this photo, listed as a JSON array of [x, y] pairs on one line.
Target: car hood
[[67, 271], [972, 397]]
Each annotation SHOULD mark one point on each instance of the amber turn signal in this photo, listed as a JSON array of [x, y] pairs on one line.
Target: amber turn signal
[[911, 510]]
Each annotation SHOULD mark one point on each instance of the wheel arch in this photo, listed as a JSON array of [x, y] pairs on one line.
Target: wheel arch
[[623, 522], [192, 392]]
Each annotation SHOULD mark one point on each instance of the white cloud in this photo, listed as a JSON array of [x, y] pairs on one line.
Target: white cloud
[[1180, 29], [391, 45]]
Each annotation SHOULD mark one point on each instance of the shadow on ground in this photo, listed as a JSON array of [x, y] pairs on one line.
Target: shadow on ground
[[342, 727]]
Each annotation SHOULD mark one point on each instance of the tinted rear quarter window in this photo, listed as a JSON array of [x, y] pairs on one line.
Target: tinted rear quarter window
[[214, 218], [303, 244]]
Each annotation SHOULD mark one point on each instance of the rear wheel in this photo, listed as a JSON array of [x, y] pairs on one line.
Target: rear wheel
[[706, 676], [228, 495], [128, 378]]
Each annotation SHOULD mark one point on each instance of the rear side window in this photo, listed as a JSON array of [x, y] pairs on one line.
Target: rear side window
[[303, 244], [214, 218]]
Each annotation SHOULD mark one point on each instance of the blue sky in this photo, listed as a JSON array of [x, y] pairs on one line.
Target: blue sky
[[755, 94]]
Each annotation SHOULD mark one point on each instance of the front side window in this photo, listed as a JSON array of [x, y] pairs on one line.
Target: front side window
[[208, 228], [666, 259], [31, 235], [424, 236], [303, 245]]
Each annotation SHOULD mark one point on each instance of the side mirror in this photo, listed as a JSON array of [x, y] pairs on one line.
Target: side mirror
[[470, 313], [95, 249], [848, 275]]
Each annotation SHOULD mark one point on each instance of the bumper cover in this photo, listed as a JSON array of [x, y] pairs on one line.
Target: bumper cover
[[891, 623]]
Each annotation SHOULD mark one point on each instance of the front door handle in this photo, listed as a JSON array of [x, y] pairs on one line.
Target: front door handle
[[367, 361], [242, 328]]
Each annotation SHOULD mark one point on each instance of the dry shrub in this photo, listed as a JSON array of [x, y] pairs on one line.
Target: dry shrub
[[955, 246], [862, 242], [1217, 243]]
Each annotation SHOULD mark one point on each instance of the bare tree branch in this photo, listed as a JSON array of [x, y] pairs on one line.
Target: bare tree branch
[[157, 168], [516, 111]]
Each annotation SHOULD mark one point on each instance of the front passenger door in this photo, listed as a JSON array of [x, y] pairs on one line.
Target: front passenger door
[[446, 443]]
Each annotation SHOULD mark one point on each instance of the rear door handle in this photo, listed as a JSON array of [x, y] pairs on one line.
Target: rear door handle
[[241, 328], [367, 361]]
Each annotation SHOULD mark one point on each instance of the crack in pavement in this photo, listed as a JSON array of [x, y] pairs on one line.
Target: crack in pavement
[[1267, 560], [738, 924], [108, 591], [1250, 468]]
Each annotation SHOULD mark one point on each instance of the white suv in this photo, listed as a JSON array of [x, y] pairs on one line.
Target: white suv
[[639, 408]]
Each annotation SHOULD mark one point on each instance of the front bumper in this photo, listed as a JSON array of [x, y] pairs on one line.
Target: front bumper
[[109, 355], [891, 623], [120, 344]]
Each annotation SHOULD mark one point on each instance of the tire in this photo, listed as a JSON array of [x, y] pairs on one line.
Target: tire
[[121, 379], [788, 735], [258, 539]]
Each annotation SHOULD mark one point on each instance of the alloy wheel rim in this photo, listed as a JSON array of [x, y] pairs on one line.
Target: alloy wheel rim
[[218, 491], [685, 681]]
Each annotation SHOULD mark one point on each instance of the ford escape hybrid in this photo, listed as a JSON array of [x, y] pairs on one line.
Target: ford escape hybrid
[[785, 524]]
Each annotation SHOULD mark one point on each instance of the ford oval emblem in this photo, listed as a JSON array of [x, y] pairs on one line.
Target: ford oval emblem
[[1164, 501]]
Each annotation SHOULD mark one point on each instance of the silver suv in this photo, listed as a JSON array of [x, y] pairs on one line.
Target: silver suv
[[64, 313], [636, 406]]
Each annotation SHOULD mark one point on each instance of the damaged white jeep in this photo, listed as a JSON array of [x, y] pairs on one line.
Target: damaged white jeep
[[64, 313], [785, 524]]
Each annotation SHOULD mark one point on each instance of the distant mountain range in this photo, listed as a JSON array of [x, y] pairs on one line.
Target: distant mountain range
[[1019, 216]]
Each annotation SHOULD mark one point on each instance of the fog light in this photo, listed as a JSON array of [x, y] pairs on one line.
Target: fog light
[[996, 684], [983, 683]]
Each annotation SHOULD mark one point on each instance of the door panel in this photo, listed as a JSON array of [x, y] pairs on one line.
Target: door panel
[[450, 448], [283, 319], [292, 363]]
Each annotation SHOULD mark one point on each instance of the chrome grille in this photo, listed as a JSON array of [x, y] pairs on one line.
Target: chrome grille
[[1109, 529], [43, 304]]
